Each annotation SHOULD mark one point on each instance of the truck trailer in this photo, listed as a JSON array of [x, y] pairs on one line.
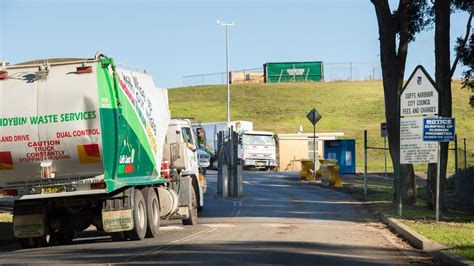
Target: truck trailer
[[89, 142]]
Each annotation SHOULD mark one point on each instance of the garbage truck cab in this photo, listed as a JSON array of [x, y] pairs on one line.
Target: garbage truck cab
[[181, 151]]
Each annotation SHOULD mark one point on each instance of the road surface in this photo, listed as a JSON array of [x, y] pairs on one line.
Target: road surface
[[279, 221]]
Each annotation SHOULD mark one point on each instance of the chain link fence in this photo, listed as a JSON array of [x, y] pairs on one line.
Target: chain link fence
[[345, 71]]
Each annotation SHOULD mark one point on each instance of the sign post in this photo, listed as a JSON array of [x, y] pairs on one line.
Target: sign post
[[314, 116], [384, 134], [418, 99], [438, 129]]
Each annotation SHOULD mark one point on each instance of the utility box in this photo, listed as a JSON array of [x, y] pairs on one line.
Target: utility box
[[342, 150], [293, 72]]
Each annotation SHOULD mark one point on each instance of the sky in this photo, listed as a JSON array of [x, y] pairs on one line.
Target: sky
[[172, 39]]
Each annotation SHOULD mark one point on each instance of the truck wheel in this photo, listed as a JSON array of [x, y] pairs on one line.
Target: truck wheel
[[193, 211], [139, 217], [27, 243], [63, 237], [153, 212]]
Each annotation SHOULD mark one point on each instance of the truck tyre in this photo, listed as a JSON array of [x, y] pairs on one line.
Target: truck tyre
[[27, 243], [139, 217], [153, 212], [193, 210], [63, 237], [34, 242]]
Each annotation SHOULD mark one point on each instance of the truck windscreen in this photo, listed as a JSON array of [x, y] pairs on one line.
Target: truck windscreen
[[257, 140]]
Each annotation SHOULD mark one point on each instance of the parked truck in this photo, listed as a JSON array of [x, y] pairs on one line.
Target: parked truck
[[87, 142], [257, 149]]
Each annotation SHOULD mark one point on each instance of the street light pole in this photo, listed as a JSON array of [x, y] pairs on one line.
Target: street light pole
[[226, 25]]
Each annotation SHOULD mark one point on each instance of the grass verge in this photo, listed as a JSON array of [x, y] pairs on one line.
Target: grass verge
[[456, 229]]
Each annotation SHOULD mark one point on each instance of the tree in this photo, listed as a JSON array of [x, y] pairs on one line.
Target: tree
[[401, 25], [465, 48], [443, 74]]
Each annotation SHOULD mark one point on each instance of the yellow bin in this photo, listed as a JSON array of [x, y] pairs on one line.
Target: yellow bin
[[305, 173]]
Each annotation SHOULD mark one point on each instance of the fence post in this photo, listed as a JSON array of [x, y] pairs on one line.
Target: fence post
[[465, 155], [365, 162], [385, 154], [456, 166], [231, 160], [240, 191], [219, 162], [456, 154]]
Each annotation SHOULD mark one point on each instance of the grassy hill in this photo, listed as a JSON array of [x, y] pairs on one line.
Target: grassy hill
[[348, 107]]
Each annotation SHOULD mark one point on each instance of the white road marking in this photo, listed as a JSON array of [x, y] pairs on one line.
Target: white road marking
[[171, 228], [219, 225]]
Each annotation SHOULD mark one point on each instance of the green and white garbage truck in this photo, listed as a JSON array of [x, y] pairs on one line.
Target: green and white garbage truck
[[87, 142]]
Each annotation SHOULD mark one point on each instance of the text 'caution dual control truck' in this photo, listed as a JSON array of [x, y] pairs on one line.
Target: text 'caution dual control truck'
[[86, 142]]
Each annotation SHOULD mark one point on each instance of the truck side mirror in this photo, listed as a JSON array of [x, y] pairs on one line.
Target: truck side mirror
[[178, 132]]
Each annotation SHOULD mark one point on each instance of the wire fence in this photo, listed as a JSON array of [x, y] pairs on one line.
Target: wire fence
[[376, 157], [345, 71], [464, 178]]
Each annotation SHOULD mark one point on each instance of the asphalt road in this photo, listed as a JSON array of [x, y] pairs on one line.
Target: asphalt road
[[279, 221]]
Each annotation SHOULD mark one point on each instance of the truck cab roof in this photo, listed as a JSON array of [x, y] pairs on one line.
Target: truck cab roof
[[258, 133]]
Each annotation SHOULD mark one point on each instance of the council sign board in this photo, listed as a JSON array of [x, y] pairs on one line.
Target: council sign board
[[314, 116], [412, 147], [438, 129], [419, 98]]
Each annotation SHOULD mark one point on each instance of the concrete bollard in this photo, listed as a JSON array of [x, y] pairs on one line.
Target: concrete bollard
[[240, 182], [219, 180], [225, 183]]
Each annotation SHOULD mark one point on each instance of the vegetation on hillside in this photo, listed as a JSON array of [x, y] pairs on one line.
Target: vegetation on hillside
[[348, 107]]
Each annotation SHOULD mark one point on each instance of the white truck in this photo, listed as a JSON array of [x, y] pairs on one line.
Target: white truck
[[257, 149], [82, 142]]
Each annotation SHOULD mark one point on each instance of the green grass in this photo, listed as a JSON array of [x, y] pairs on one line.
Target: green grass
[[456, 229], [6, 230], [348, 107], [455, 234]]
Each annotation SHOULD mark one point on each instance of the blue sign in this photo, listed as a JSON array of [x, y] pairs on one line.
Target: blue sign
[[439, 129]]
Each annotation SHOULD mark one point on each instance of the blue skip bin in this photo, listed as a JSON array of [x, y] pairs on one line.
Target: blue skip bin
[[342, 150]]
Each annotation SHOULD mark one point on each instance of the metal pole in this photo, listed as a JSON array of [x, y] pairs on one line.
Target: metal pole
[[314, 152], [385, 154], [438, 173], [227, 71], [465, 156], [231, 161], [350, 66], [365, 162], [400, 198], [456, 155], [398, 160]]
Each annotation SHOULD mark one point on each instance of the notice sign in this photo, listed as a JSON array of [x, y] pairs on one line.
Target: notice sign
[[439, 129], [420, 96], [412, 147]]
